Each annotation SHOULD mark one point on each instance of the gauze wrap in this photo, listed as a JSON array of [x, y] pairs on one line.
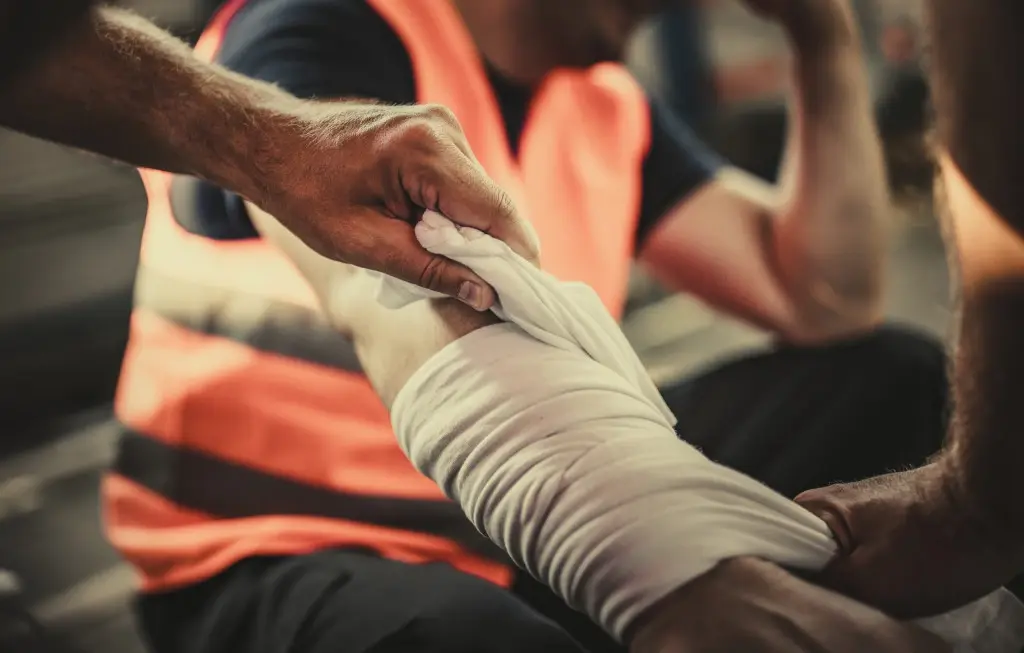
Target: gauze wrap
[[549, 433]]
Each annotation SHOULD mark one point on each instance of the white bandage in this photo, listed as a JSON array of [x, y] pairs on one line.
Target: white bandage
[[554, 441], [581, 481]]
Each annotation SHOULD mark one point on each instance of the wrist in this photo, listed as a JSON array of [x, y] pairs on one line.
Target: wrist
[[253, 139], [819, 27], [246, 164], [828, 66]]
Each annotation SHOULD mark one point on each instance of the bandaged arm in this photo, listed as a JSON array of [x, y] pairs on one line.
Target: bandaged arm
[[576, 476], [570, 465]]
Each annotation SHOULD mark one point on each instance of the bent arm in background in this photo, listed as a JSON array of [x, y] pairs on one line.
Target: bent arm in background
[[982, 138], [805, 259]]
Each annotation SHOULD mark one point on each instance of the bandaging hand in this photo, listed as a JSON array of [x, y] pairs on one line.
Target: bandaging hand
[[909, 544], [754, 606], [351, 181]]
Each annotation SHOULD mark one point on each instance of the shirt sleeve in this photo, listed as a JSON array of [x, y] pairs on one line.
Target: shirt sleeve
[[321, 49], [677, 164]]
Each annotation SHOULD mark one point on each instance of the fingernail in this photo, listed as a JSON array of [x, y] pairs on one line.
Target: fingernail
[[471, 294]]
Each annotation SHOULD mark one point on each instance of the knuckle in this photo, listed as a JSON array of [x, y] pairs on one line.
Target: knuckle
[[506, 207], [441, 114], [420, 134], [507, 213], [432, 142]]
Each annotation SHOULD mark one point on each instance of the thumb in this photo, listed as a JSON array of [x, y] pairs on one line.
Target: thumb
[[844, 572], [396, 252], [827, 505]]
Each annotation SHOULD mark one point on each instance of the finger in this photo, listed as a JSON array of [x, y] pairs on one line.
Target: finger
[[827, 505], [467, 196], [459, 139], [394, 250], [449, 125], [473, 199]]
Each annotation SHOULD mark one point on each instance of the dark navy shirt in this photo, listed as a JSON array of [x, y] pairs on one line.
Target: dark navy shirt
[[342, 48]]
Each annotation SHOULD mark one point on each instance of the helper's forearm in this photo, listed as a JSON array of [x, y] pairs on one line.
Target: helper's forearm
[[978, 89], [832, 225], [987, 436], [121, 87]]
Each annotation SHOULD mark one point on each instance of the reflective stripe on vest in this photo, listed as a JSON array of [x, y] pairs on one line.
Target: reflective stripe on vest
[[249, 429]]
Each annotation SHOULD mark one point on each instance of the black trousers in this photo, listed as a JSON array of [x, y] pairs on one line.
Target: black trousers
[[793, 418]]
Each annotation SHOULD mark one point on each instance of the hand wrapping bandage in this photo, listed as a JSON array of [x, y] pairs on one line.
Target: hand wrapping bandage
[[550, 434]]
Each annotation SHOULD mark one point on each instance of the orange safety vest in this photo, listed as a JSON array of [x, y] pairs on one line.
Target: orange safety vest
[[248, 426]]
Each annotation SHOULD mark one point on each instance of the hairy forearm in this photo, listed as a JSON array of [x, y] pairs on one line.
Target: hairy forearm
[[986, 446], [119, 86], [831, 227], [983, 152]]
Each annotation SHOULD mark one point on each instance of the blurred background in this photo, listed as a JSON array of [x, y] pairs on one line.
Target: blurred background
[[70, 226]]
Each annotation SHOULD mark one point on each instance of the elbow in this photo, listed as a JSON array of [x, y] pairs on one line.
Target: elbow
[[825, 315], [834, 297], [835, 284]]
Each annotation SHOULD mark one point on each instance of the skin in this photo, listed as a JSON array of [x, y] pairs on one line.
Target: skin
[[755, 606], [117, 86], [954, 530], [741, 605], [349, 178]]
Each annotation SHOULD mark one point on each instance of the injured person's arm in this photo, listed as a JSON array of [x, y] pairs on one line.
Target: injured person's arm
[[553, 440], [391, 343]]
